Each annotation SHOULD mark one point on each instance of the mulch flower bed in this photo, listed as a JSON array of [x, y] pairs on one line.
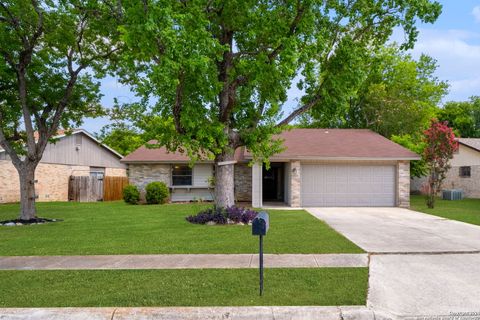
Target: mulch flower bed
[[20, 222]]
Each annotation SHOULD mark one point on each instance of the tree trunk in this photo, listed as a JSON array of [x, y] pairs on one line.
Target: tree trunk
[[224, 180], [27, 191], [432, 192]]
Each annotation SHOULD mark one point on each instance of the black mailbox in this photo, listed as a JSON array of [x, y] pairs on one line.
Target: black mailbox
[[260, 224]]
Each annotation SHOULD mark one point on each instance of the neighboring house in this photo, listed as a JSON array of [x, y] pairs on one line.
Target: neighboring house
[[78, 154], [319, 167], [464, 172]]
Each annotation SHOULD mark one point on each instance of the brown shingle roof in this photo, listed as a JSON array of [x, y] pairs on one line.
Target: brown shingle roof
[[340, 144], [306, 144], [473, 143], [144, 154]]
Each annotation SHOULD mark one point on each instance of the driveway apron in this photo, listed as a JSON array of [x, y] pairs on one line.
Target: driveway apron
[[420, 265]]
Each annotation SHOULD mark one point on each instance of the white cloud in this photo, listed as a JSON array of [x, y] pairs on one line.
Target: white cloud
[[458, 56], [466, 87], [476, 13]]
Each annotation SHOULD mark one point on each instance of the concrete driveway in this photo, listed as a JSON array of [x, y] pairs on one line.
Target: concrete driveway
[[396, 230], [420, 265]]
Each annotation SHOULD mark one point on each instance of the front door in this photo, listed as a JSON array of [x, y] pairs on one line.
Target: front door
[[273, 187]]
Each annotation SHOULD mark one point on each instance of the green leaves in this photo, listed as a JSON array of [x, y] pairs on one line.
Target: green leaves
[[463, 117], [217, 72], [51, 54], [388, 83]]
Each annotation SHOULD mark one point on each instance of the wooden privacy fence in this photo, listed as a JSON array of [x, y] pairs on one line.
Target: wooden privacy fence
[[91, 189], [113, 188]]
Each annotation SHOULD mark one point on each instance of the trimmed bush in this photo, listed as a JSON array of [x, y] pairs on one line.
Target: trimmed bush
[[229, 215], [156, 192], [131, 194]]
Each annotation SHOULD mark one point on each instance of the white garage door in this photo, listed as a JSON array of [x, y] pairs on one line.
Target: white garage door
[[348, 185]]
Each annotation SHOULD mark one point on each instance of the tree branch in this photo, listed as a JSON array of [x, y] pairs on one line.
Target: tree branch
[[39, 30], [177, 107], [13, 21], [291, 31], [8, 147], [8, 58], [299, 111]]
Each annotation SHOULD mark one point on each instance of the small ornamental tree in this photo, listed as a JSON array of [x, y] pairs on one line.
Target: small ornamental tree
[[440, 146]]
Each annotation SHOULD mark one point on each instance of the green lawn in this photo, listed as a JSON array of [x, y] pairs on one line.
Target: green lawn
[[189, 287], [466, 210], [117, 228]]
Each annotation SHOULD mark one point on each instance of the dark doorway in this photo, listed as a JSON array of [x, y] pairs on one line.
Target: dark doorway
[[273, 187]]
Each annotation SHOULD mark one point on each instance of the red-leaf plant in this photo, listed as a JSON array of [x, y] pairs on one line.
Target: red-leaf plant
[[441, 144]]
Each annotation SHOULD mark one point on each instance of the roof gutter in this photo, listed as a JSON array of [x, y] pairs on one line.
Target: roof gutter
[[342, 158]]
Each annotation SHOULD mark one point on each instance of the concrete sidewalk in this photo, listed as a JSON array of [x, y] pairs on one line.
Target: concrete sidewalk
[[181, 261], [427, 285], [193, 313]]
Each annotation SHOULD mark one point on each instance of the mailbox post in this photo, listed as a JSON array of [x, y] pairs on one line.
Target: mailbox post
[[260, 227]]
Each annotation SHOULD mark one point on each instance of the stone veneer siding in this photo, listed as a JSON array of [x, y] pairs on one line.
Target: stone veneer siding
[[52, 180], [403, 184], [243, 182], [295, 184], [142, 174]]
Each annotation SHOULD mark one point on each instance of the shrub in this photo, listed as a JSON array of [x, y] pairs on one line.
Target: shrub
[[131, 194], [243, 215], [156, 192], [223, 216]]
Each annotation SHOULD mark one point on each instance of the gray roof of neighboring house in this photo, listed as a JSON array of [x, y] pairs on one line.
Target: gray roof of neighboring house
[[63, 133], [473, 143]]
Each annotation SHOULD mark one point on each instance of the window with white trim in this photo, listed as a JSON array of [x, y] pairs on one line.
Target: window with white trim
[[182, 175]]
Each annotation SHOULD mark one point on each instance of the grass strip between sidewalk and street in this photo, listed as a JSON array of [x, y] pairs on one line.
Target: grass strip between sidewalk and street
[[186, 287]]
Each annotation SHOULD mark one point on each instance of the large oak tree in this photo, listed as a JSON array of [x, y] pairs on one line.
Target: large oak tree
[[216, 72], [48, 53]]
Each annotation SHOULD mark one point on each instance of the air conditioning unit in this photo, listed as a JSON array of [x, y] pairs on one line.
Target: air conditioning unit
[[452, 194]]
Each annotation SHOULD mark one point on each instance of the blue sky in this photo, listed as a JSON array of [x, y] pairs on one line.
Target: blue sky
[[454, 40]]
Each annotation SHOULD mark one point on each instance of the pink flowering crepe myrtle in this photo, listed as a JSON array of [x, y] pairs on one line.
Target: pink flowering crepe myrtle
[[441, 144]]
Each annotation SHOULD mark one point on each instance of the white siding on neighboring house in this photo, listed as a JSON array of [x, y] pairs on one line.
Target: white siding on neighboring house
[[71, 155], [465, 156], [79, 149]]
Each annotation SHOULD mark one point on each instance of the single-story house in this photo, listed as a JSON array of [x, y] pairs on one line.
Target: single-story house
[[75, 154], [319, 167], [464, 173]]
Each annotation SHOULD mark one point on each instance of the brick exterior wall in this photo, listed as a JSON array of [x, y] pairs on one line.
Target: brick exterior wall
[[52, 180], [470, 186], [243, 182], [9, 183], [403, 184], [115, 172], [295, 184], [142, 174]]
